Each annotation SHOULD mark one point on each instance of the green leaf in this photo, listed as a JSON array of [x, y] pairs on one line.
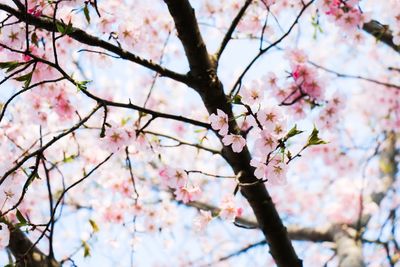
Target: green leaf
[[237, 99], [94, 225], [21, 218], [124, 121], [86, 12], [82, 85], [86, 249], [313, 139], [69, 28], [10, 65], [26, 78], [293, 132], [60, 27], [69, 159]]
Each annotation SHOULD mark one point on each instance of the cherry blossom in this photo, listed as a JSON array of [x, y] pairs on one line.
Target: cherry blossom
[[229, 211], [187, 193], [261, 168], [237, 142], [202, 220], [117, 137], [276, 171], [177, 178], [252, 95], [266, 142], [71, 109], [219, 122]]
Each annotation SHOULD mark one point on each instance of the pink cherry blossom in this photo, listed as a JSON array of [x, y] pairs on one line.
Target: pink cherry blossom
[[237, 142], [219, 122], [63, 107], [276, 171], [177, 178], [202, 220], [229, 211], [272, 120], [116, 138], [187, 194], [252, 95], [296, 56], [271, 80], [261, 168]]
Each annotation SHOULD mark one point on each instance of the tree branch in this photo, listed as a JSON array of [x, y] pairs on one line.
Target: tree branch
[[207, 84], [295, 232], [381, 33], [228, 35], [82, 37], [349, 251], [20, 245]]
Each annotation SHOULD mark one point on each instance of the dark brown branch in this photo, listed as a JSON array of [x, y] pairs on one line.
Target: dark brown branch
[[381, 32], [240, 251], [20, 245], [207, 84], [295, 232], [154, 113], [19, 5], [85, 38], [104, 102]]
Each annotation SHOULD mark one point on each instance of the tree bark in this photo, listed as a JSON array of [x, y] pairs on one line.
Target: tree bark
[[206, 82], [381, 32], [349, 251], [20, 245]]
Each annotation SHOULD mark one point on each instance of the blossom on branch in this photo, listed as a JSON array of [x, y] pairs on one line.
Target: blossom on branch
[[219, 122]]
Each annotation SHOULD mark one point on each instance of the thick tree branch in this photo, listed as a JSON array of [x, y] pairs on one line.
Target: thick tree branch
[[349, 251], [381, 32], [207, 84], [349, 248], [85, 38], [295, 232], [26, 254], [388, 171]]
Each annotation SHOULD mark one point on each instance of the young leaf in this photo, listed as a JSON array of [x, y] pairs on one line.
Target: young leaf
[[69, 28], [86, 12], [293, 132], [60, 27], [26, 78], [237, 99], [86, 249], [94, 225], [313, 139], [82, 85], [21, 218], [10, 65]]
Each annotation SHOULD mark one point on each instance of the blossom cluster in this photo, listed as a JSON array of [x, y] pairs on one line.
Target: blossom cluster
[[270, 126], [345, 13], [177, 179], [220, 123], [228, 211]]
